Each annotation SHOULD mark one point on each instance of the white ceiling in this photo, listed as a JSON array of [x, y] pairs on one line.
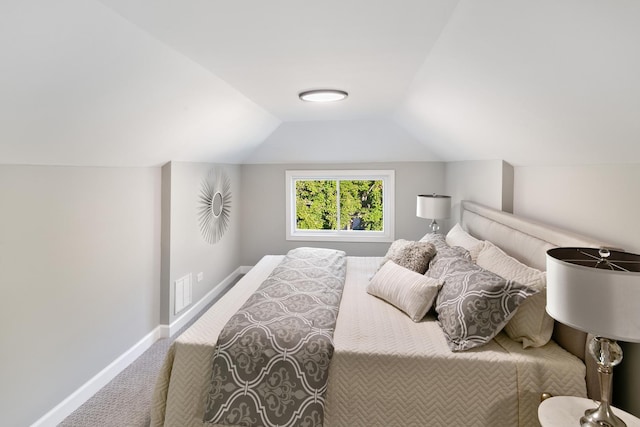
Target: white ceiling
[[272, 50], [142, 82], [532, 82]]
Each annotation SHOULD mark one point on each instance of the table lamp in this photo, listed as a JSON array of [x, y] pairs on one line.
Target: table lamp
[[433, 207], [597, 291]]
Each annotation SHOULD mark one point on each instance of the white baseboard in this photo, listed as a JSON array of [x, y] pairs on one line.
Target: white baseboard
[[91, 387], [190, 313]]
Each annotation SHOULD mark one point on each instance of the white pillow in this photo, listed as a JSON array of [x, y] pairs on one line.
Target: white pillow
[[411, 292], [531, 324], [458, 237]]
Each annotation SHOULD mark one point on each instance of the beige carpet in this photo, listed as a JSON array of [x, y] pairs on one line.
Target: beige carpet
[[126, 400]]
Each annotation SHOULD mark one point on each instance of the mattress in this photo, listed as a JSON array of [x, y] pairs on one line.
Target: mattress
[[386, 369]]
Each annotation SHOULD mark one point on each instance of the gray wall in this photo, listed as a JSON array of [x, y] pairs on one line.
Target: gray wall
[[331, 141], [489, 182], [79, 274], [165, 246], [263, 198], [187, 251], [80, 251], [602, 201]]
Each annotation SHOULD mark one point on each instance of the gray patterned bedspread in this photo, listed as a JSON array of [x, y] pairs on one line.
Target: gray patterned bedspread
[[271, 363]]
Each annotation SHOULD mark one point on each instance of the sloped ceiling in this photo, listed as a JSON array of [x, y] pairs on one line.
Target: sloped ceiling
[[532, 82], [80, 85], [142, 82]]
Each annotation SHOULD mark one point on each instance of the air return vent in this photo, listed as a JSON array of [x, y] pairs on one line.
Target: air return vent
[[182, 296]]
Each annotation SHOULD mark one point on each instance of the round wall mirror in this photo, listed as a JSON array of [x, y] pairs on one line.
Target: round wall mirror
[[214, 210], [216, 204]]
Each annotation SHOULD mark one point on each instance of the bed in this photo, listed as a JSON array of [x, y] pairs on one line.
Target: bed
[[389, 370]]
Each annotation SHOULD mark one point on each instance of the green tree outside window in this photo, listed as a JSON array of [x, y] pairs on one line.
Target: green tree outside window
[[360, 205]]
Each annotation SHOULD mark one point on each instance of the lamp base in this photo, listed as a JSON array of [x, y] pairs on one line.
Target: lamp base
[[602, 416], [607, 354], [434, 226]]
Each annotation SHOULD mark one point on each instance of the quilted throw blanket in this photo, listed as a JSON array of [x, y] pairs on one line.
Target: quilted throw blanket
[[271, 362]]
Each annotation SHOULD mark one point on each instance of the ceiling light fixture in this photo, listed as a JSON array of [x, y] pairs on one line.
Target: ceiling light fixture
[[323, 95]]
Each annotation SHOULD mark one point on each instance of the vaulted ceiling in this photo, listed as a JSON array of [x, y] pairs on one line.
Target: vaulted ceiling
[[142, 82]]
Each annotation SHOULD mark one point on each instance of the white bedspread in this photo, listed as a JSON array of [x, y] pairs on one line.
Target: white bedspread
[[386, 369]]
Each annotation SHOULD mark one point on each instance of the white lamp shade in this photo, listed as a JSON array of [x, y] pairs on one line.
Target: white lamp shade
[[433, 206], [597, 300]]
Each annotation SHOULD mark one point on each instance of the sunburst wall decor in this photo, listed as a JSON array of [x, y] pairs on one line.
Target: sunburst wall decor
[[214, 206]]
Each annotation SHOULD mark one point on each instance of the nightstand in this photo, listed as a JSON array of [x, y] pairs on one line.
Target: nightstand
[[564, 411]]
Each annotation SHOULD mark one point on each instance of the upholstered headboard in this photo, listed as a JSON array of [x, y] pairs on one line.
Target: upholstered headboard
[[528, 242]]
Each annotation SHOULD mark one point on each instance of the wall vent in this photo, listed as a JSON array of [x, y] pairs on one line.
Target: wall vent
[[182, 295]]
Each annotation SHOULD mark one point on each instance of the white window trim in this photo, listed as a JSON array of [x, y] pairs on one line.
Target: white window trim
[[388, 212]]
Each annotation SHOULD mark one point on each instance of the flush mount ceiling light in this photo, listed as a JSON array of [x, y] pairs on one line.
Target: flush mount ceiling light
[[323, 95]]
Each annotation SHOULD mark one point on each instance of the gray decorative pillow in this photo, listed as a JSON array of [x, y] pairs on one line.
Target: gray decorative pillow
[[437, 239], [443, 251], [442, 247], [412, 255], [531, 324], [411, 292], [474, 304]]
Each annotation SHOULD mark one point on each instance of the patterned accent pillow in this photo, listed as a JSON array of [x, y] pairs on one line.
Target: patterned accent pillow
[[531, 324], [444, 251], [408, 290], [409, 254], [474, 304], [437, 239]]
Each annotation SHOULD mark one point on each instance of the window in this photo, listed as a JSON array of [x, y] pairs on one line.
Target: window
[[340, 205]]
